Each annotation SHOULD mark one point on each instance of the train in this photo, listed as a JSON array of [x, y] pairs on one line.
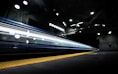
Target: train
[[16, 36]]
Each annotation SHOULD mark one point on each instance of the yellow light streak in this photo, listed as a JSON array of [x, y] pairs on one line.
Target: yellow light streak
[[16, 63]]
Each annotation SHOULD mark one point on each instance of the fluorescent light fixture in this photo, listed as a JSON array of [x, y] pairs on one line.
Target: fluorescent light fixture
[[57, 27], [17, 6], [73, 25], [80, 23], [64, 23], [97, 25], [25, 2]]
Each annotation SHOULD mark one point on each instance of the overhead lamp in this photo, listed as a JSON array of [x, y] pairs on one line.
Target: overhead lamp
[[17, 6], [97, 25], [103, 25], [109, 32], [56, 27], [88, 26], [54, 9], [92, 13], [70, 20], [80, 31], [78, 25], [98, 33], [57, 14], [25, 2], [64, 23], [81, 28]]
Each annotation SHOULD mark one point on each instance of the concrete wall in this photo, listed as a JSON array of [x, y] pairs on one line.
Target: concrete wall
[[108, 42], [18, 15]]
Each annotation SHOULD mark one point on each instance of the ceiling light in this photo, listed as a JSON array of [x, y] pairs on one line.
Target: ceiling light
[[56, 27], [98, 33], [57, 14], [88, 26], [78, 25], [103, 25], [54, 9], [17, 6], [80, 31], [64, 23], [73, 25], [70, 20], [97, 25], [81, 28], [25, 2], [92, 13], [109, 32]]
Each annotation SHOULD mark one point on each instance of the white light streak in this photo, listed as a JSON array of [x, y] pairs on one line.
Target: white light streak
[[20, 33]]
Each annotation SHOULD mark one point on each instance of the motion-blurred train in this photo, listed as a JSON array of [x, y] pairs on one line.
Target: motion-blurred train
[[19, 37]]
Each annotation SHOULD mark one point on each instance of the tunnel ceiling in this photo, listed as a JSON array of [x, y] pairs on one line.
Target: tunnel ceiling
[[59, 11]]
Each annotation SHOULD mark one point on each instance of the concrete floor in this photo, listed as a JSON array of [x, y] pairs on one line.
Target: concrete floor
[[98, 62]]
